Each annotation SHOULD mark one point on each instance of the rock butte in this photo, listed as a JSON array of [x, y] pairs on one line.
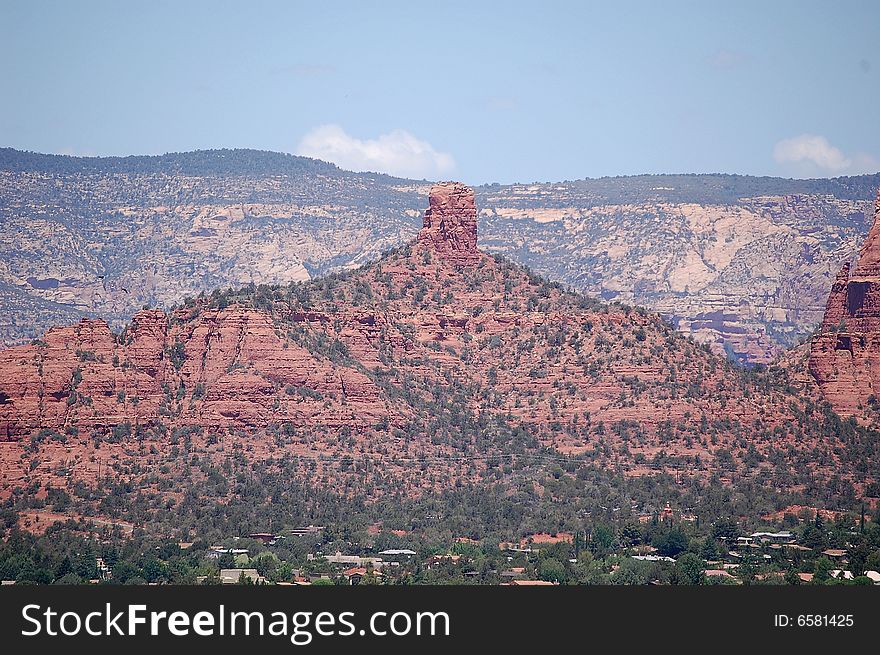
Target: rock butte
[[450, 223], [235, 354], [438, 349], [845, 353]]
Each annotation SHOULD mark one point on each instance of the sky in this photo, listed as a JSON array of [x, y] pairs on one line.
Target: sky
[[477, 91]]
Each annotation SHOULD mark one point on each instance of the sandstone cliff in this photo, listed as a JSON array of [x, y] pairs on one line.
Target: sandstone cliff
[[845, 353]]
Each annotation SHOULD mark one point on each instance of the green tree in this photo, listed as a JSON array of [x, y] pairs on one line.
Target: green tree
[[709, 550], [672, 543], [603, 540], [631, 572], [552, 570], [747, 571], [689, 570], [822, 572]]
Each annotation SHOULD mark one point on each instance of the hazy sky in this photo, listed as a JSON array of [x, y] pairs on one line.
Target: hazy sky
[[506, 91]]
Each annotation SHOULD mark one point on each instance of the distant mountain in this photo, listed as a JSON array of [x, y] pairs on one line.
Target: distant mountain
[[740, 262], [436, 367], [200, 163]]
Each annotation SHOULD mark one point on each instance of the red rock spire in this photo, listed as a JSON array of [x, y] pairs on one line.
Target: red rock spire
[[450, 224], [845, 353], [836, 307], [869, 257]]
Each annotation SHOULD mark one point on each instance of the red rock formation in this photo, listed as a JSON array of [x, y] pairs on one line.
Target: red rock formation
[[414, 356], [845, 354], [233, 365], [450, 223], [869, 256]]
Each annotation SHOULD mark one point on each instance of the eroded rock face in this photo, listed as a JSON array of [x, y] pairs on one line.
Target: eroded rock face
[[845, 354], [437, 353], [450, 223], [210, 367]]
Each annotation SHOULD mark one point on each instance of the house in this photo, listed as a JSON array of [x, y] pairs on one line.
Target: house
[[837, 574], [232, 576], [784, 537], [737, 555], [435, 560], [306, 531], [653, 558], [356, 574], [265, 537], [398, 552], [790, 547], [835, 553], [214, 552], [531, 583], [354, 560], [806, 577], [874, 576], [514, 573], [719, 573]]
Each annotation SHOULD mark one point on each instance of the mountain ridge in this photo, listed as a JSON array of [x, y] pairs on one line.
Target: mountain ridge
[[745, 272], [14, 159], [420, 372]]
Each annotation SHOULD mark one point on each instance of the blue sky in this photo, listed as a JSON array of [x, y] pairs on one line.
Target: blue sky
[[479, 91]]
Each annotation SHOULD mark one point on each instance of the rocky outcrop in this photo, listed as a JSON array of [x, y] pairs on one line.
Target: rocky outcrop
[[408, 373], [449, 227], [845, 354], [210, 368], [869, 256]]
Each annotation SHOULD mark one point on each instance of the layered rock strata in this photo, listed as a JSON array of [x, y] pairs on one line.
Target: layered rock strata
[[845, 353]]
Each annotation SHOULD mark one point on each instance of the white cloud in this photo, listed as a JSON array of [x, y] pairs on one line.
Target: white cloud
[[396, 153], [814, 153]]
